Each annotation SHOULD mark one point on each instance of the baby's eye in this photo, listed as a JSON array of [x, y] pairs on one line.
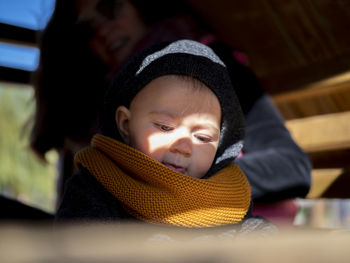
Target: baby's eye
[[163, 127], [204, 138]]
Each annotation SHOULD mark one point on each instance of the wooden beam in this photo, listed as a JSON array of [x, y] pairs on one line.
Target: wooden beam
[[322, 133], [321, 180], [317, 88], [340, 187], [18, 34], [15, 75], [331, 95], [330, 159], [298, 78], [18, 43]]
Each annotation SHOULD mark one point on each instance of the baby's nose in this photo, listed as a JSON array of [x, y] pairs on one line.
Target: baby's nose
[[182, 146]]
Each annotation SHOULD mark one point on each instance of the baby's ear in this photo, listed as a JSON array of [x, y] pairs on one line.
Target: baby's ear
[[122, 117]]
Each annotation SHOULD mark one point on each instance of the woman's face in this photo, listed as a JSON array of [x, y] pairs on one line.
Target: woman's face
[[116, 25]]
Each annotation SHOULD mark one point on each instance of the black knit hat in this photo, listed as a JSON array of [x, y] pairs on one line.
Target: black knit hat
[[183, 57]]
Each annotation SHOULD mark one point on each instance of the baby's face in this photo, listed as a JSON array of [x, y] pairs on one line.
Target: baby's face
[[176, 123]]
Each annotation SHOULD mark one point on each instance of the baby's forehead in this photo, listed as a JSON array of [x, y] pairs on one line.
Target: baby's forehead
[[181, 95], [193, 84]]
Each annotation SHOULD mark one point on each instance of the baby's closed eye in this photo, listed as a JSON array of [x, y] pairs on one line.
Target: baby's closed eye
[[203, 138], [164, 127]]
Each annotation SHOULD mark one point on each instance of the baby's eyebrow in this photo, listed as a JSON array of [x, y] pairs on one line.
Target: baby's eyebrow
[[164, 112], [207, 126]]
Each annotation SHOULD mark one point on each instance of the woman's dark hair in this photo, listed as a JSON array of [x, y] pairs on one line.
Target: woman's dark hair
[[68, 83]]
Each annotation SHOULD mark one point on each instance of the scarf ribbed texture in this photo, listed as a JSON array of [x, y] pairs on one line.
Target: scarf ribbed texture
[[154, 193]]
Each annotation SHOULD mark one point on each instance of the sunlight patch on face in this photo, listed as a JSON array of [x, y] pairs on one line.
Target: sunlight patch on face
[[157, 141], [194, 123]]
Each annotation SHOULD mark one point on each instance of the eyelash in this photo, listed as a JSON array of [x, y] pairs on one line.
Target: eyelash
[[204, 139], [163, 127], [201, 138]]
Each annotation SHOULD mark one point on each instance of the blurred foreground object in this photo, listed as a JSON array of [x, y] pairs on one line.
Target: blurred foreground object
[[141, 243], [12, 209]]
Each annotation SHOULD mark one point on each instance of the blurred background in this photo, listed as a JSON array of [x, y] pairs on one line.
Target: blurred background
[[300, 51], [22, 175]]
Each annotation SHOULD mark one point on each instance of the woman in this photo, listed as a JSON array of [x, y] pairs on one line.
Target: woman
[[90, 40]]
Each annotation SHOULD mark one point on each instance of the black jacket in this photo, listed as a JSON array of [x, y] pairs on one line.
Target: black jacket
[[86, 201]]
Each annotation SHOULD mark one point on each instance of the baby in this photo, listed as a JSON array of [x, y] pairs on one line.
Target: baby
[[171, 125]]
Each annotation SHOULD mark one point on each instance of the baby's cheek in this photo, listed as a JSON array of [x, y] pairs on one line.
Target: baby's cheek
[[154, 145], [157, 141], [207, 151], [203, 159]]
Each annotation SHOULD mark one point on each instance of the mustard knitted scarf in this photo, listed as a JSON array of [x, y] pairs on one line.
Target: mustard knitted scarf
[[154, 193]]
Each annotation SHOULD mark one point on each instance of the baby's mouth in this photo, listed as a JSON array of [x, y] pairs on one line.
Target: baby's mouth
[[176, 168]]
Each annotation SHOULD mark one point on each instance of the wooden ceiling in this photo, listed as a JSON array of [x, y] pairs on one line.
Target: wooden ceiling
[[289, 43]]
